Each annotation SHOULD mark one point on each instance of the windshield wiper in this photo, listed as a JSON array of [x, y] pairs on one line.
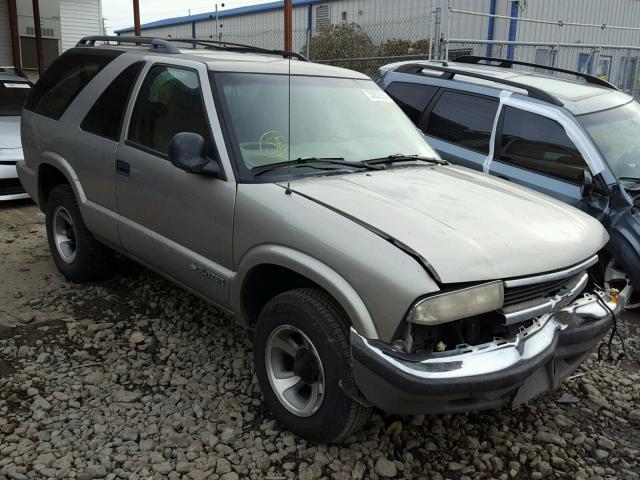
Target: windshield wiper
[[629, 179], [399, 157], [313, 162]]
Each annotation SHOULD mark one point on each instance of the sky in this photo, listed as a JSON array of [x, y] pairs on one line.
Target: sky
[[119, 13]]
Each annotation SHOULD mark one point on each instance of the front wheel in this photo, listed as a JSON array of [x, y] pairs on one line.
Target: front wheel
[[303, 361]]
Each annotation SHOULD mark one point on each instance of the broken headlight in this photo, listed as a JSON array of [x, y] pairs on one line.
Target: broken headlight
[[457, 304]]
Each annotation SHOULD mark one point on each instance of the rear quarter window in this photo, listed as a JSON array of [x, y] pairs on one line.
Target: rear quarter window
[[105, 117], [412, 98], [463, 119], [65, 79]]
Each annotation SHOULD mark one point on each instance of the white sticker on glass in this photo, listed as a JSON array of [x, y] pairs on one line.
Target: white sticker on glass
[[376, 95]]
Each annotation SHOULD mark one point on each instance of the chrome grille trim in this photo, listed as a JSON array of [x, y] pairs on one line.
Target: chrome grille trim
[[548, 277], [532, 309]]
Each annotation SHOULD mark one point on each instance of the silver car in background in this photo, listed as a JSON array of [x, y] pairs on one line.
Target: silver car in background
[[14, 89]]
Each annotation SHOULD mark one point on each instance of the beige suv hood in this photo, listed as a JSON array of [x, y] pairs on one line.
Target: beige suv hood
[[466, 226]]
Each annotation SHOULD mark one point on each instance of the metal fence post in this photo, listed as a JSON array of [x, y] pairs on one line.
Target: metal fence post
[[448, 34]]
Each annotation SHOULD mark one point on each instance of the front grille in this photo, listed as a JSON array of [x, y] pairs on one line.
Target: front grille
[[10, 186], [515, 295]]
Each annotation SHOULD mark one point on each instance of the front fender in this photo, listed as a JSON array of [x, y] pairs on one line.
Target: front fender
[[311, 268], [624, 245]]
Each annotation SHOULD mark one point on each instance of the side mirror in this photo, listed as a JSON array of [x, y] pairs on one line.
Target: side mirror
[[586, 188], [186, 151]]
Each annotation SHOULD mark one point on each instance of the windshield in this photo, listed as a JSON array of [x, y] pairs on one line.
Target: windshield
[[331, 118], [616, 133], [12, 97]]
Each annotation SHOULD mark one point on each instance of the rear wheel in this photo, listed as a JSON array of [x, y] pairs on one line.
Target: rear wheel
[[76, 253], [615, 277], [302, 357]]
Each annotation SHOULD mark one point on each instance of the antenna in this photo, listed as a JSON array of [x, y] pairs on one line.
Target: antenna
[[288, 190]]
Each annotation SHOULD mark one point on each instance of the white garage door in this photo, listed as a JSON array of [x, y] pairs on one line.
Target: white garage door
[[5, 35], [79, 18]]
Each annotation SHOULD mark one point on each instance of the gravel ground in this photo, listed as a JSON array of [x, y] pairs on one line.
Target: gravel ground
[[134, 378]]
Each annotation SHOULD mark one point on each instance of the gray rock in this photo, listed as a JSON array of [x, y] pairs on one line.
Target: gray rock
[[162, 468], [45, 459], [97, 471], [125, 396], [550, 437], [41, 404], [386, 468], [605, 443]]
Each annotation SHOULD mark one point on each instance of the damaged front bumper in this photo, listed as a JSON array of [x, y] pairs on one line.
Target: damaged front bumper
[[502, 372]]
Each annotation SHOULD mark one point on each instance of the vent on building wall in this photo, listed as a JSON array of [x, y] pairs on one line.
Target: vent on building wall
[[46, 32], [322, 16]]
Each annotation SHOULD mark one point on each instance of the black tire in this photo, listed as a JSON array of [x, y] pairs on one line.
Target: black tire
[[93, 260], [321, 319]]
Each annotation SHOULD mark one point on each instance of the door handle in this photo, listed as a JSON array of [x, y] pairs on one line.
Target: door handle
[[122, 168]]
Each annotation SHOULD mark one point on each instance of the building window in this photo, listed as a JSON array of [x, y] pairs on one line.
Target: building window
[[46, 32], [604, 67], [585, 61], [544, 57]]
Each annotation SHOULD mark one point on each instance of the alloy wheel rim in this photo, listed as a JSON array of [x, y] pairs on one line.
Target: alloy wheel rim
[[615, 277], [64, 235], [295, 371]]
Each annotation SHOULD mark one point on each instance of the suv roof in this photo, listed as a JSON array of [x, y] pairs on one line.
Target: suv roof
[[578, 96], [222, 56]]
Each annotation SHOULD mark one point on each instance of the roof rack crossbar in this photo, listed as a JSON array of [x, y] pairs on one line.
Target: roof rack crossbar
[[238, 47], [156, 44], [449, 73], [508, 63]]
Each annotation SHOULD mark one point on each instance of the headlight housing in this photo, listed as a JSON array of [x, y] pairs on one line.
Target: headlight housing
[[464, 303]]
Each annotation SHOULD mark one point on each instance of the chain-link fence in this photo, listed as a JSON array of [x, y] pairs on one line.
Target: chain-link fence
[[365, 34], [616, 64]]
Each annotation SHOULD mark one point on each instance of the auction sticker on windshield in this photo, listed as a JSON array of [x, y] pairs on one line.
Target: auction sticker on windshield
[[376, 95]]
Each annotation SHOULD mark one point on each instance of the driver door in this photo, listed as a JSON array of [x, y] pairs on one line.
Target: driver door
[[175, 222], [535, 151]]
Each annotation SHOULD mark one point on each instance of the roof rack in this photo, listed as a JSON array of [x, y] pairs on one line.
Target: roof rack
[[167, 45], [508, 63], [18, 71], [238, 47], [157, 44], [449, 73]]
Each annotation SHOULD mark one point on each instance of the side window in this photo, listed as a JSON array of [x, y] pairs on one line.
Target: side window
[[540, 144], [170, 101], [413, 98], [65, 78], [105, 117], [466, 120]]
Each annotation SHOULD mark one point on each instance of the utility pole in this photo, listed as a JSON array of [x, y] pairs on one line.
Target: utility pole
[[38, 29], [136, 18], [13, 27], [288, 15]]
